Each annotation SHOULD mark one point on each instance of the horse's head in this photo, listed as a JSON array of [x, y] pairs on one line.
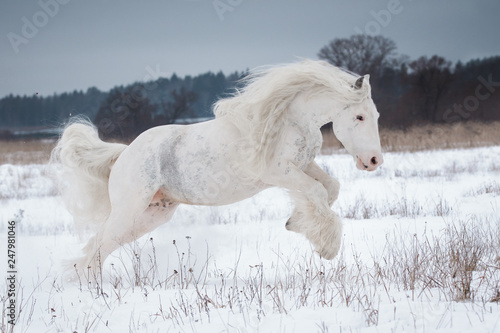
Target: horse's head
[[357, 128]]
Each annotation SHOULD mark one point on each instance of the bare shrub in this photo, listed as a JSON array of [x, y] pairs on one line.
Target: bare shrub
[[460, 262], [491, 187], [361, 209], [466, 250], [401, 206], [442, 207], [406, 207]]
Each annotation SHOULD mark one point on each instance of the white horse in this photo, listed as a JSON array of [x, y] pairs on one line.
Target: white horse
[[265, 135]]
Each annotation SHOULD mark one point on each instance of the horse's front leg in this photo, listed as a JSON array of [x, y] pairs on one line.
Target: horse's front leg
[[313, 216], [293, 178], [331, 184]]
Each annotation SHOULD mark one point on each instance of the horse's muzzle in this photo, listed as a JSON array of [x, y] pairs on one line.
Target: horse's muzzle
[[369, 161]]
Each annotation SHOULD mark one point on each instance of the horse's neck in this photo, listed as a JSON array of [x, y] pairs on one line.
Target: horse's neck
[[312, 113]]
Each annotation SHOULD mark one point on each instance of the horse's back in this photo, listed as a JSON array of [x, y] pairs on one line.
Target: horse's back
[[192, 164]]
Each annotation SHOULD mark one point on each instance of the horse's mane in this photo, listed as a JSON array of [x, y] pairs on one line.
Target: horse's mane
[[259, 109]]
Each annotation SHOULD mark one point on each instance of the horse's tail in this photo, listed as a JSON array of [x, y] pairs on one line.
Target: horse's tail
[[86, 164]]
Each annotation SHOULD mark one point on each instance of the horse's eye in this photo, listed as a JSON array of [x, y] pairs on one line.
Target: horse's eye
[[360, 118]]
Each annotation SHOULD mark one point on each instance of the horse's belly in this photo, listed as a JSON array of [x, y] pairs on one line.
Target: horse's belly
[[215, 192]]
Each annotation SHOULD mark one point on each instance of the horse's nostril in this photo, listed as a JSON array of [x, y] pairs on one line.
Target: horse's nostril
[[374, 160]]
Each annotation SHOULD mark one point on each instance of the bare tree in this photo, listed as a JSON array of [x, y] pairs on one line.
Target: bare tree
[[125, 114], [181, 105], [362, 54], [431, 77]]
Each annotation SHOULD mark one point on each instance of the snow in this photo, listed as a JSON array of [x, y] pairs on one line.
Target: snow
[[239, 270]]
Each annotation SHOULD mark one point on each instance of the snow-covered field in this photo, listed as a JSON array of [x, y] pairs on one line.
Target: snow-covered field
[[421, 253]]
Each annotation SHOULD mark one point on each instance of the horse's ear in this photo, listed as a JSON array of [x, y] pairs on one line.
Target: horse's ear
[[359, 83]]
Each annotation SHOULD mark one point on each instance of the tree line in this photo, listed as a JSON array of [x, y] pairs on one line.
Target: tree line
[[429, 89], [124, 111], [424, 90]]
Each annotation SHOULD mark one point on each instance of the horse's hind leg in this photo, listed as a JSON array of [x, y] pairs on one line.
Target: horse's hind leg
[[130, 218], [114, 232], [160, 210]]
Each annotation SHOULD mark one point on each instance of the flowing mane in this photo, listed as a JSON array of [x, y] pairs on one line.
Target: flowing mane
[[259, 109]]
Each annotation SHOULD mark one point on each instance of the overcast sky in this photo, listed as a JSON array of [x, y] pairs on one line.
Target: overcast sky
[[52, 46]]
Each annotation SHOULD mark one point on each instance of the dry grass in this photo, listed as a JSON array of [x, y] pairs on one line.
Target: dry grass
[[491, 187], [25, 151], [460, 264], [428, 137], [404, 207]]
